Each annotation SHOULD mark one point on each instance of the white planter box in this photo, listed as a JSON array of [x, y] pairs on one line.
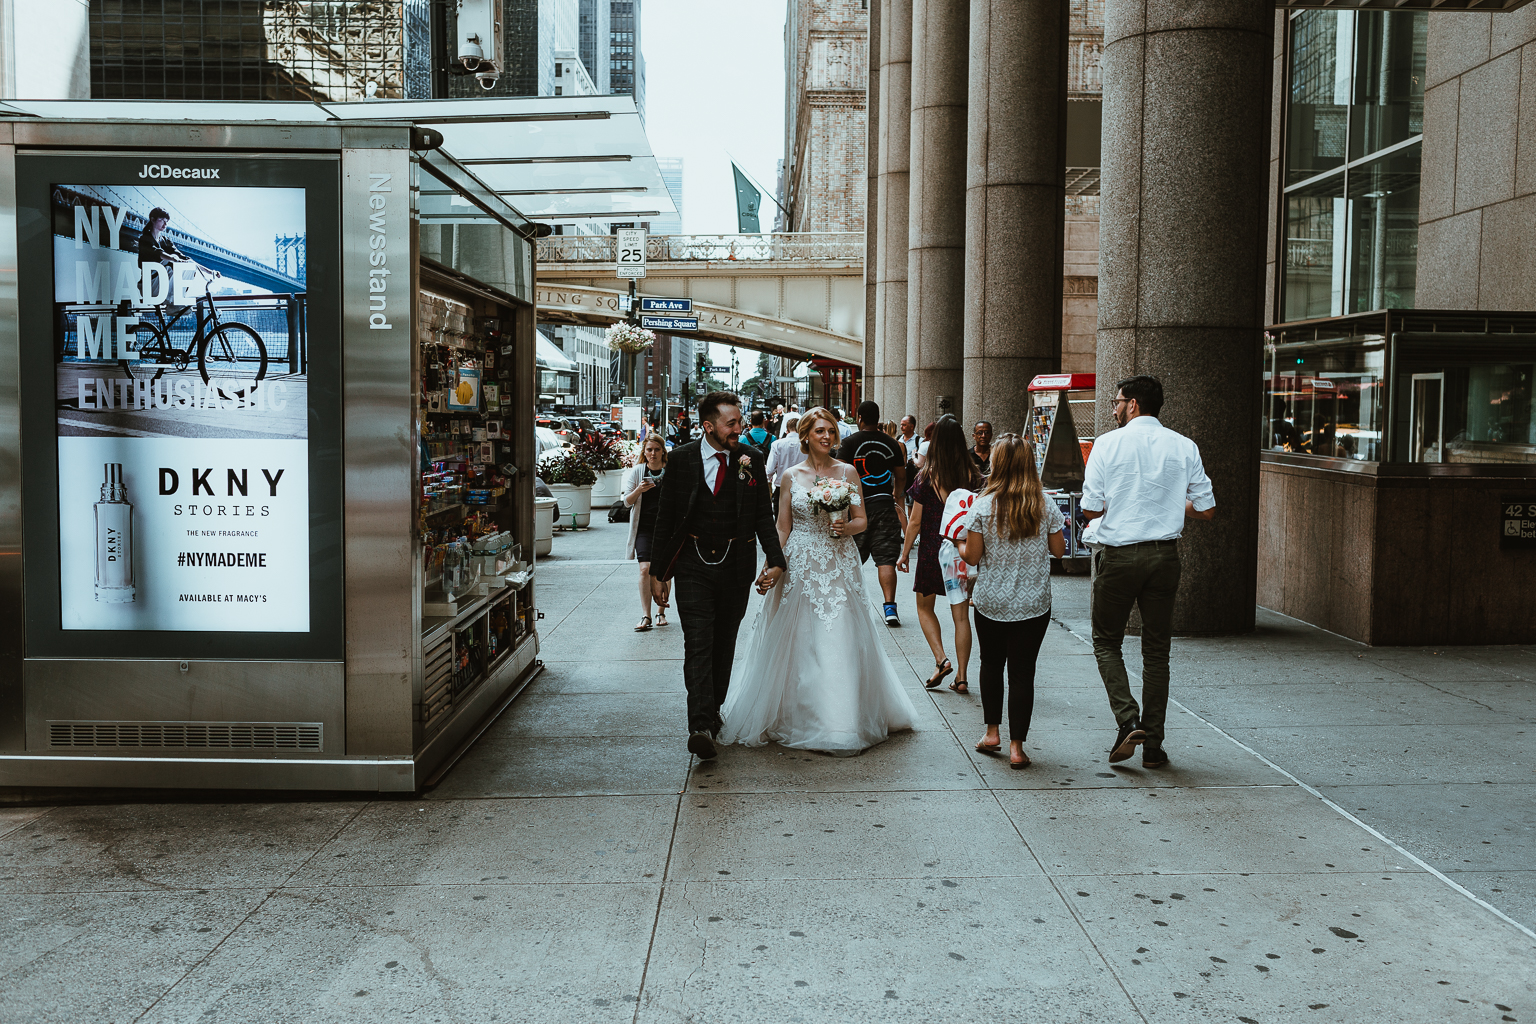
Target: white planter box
[[575, 504], [608, 489]]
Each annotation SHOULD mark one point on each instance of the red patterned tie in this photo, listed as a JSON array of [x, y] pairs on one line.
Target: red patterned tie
[[720, 476]]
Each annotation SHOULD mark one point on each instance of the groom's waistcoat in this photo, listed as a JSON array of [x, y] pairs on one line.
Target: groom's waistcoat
[[715, 517]]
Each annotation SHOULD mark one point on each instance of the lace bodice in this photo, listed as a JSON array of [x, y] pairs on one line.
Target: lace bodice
[[823, 568]]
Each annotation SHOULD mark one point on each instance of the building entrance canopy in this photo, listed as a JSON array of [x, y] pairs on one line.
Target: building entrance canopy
[[554, 158]]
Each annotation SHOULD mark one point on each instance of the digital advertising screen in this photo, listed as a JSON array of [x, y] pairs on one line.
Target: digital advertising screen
[[188, 305]]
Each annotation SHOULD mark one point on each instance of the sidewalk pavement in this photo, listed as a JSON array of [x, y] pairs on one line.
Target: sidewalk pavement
[[1295, 862]]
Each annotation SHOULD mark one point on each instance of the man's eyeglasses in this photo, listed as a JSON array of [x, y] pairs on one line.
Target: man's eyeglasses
[[1117, 401]]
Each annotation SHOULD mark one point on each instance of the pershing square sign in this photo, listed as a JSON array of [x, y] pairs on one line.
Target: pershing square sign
[[182, 404]]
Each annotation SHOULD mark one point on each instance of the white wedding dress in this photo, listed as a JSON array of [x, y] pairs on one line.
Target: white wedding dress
[[815, 675]]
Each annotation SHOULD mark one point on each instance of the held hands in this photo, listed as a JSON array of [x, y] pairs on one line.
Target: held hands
[[768, 579]]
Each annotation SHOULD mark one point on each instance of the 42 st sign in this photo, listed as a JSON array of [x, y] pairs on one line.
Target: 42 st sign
[[1517, 521]]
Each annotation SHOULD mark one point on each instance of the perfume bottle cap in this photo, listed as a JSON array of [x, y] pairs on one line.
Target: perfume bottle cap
[[113, 489]]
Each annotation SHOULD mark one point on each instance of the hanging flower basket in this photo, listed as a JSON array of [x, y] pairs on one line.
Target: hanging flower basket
[[626, 337]]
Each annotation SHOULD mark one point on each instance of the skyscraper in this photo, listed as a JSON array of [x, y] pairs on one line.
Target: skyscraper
[[596, 41], [671, 173], [627, 72]]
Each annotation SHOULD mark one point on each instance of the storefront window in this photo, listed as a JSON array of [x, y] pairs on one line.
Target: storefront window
[[1355, 114], [1325, 398], [1403, 387], [1461, 400]]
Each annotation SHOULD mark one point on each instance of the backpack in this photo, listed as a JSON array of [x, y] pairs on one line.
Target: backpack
[[618, 513]]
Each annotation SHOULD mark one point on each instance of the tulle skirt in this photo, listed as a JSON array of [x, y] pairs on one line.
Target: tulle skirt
[[816, 678]]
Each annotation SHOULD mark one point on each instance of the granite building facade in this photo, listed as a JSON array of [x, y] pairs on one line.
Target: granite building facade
[[1313, 227]]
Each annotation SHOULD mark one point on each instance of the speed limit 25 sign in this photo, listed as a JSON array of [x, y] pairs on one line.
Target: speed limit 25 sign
[[630, 253]]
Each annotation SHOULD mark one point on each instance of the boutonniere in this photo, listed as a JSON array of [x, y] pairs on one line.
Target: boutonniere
[[744, 468]]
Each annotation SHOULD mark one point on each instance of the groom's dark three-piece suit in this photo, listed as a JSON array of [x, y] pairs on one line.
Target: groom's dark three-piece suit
[[704, 540]]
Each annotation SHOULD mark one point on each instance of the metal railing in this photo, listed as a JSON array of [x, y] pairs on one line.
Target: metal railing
[[799, 246]]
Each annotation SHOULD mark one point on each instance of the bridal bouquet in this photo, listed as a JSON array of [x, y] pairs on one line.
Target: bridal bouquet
[[832, 495]]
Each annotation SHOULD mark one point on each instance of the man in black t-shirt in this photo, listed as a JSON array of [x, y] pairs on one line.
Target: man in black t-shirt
[[882, 466]]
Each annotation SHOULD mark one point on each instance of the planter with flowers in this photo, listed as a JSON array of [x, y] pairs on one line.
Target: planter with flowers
[[627, 337], [570, 480]]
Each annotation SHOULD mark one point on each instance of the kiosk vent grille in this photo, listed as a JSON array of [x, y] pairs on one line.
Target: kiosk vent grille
[[188, 735]]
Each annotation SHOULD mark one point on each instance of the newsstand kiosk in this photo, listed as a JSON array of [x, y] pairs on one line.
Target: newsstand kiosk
[[266, 450], [1060, 454]]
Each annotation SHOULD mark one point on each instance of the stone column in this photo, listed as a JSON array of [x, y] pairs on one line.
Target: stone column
[[1015, 214], [872, 356], [892, 149], [1182, 256], [936, 209]]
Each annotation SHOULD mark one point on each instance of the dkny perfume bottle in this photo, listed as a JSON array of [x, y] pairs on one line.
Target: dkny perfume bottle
[[114, 540]]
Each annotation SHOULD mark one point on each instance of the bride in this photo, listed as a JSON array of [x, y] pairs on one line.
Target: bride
[[815, 675]]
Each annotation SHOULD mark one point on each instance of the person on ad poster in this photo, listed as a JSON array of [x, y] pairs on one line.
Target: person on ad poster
[[182, 407]]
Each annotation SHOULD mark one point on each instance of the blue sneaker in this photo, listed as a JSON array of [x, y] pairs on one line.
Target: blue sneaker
[[890, 615]]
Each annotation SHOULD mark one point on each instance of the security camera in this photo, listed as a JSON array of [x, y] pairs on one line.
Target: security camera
[[487, 79], [479, 41]]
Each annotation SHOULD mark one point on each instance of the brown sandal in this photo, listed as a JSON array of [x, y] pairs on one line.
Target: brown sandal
[[645, 625]]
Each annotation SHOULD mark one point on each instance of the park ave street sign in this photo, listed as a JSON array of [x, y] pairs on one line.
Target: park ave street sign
[[669, 323], [666, 305]]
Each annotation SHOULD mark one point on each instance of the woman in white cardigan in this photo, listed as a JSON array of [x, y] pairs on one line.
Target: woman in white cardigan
[[639, 482]]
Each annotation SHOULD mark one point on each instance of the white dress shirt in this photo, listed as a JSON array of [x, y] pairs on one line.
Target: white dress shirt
[[1139, 476], [708, 451], [784, 456]]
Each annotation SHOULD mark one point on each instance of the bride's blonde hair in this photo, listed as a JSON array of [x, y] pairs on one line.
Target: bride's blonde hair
[[808, 422]]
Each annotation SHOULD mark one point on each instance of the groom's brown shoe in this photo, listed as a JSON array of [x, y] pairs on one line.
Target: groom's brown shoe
[[701, 745]]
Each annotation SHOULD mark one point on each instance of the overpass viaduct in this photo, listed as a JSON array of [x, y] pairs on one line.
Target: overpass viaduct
[[799, 295]]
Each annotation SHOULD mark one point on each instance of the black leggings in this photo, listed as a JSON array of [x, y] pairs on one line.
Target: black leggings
[[1017, 645]]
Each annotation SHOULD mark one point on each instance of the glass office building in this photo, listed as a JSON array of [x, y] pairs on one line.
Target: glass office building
[[627, 63], [255, 50], [1353, 141]]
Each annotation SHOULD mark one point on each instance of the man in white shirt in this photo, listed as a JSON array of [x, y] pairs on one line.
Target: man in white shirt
[[784, 456], [1142, 481], [909, 439], [794, 415]]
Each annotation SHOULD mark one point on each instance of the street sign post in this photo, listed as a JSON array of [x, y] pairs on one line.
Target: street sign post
[[670, 323], [630, 253], [666, 305]]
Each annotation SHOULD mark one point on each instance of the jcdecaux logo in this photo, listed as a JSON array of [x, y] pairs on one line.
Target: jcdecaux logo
[[167, 171]]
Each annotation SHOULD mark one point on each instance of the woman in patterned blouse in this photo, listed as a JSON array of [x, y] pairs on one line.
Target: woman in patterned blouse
[[1013, 530]]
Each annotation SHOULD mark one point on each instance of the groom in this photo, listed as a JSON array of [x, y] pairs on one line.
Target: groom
[[713, 500]]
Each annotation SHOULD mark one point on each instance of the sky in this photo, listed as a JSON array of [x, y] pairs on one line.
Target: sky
[[714, 89]]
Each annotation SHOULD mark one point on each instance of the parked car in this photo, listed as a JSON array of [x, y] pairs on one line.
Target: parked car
[[547, 439], [562, 427], [610, 429]]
